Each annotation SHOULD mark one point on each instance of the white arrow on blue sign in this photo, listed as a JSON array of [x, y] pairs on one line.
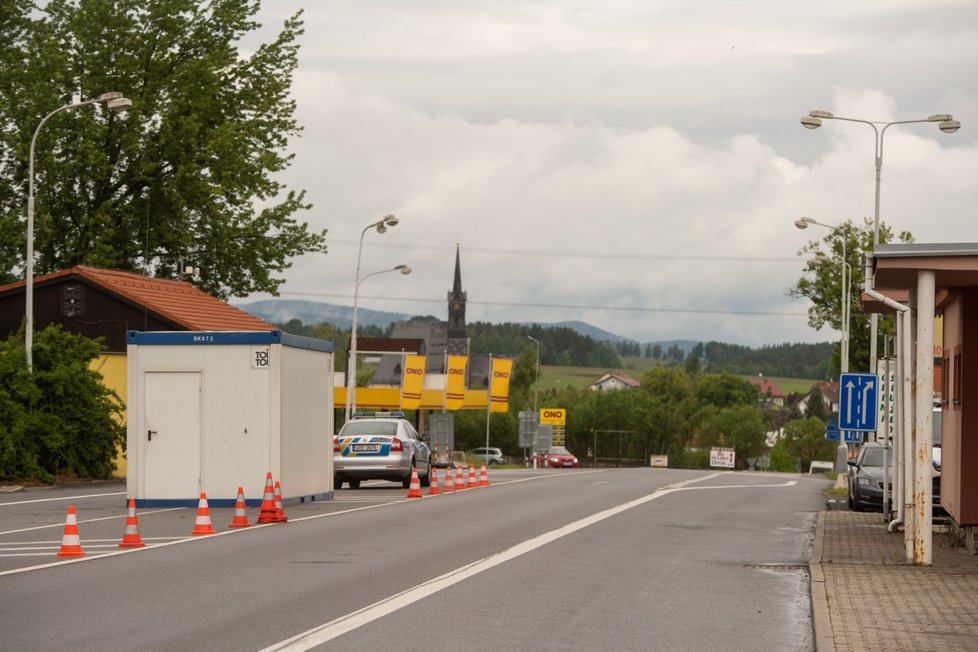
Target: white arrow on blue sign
[[857, 402]]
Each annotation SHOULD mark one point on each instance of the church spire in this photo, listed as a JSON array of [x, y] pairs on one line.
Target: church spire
[[456, 302]]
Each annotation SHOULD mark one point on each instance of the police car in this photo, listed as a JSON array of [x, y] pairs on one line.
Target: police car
[[379, 446]]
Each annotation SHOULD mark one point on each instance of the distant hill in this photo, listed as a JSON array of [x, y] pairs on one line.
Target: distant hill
[[281, 311]]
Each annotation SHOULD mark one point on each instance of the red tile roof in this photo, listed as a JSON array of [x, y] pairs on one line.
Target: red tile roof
[[767, 388], [176, 301]]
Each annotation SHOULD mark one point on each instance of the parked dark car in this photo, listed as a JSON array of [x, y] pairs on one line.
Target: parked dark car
[[866, 479]]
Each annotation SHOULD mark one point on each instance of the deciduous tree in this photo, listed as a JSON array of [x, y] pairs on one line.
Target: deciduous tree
[[187, 176]]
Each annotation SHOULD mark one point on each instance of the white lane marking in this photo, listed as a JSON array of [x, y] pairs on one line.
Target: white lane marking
[[789, 483], [253, 528], [93, 520], [48, 500], [328, 631]]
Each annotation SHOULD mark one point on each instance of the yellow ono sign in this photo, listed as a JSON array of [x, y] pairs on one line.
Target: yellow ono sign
[[553, 416]]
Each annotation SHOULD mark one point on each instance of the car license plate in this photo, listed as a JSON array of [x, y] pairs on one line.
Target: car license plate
[[365, 448]]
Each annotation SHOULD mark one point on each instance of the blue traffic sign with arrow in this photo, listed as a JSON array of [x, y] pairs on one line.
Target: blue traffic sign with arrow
[[857, 402]]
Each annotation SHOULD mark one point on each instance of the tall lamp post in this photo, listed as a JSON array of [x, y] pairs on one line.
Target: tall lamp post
[[844, 306], [117, 104], [945, 123], [536, 379], [351, 368]]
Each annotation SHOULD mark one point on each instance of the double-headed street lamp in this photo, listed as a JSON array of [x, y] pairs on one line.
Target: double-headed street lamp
[[945, 122], [351, 369], [845, 300], [117, 104]]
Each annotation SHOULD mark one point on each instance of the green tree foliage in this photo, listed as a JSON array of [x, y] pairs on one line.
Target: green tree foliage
[[187, 175], [558, 345], [787, 360], [725, 390], [781, 461], [671, 403], [822, 285], [806, 440], [60, 419]]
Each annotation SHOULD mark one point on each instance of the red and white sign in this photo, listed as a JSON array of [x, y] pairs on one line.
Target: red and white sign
[[722, 458]]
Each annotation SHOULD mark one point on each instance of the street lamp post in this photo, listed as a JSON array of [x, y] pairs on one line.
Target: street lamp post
[[117, 104], [351, 367], [536, 378], [351, 402], [945, 123]]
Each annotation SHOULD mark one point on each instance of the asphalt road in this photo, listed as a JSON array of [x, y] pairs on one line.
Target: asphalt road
[[623, 559]]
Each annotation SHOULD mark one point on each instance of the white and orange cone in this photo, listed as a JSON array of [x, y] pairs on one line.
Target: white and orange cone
[[71, 542], [434, 486], [240, 511], [459, 478], [268, 513], [203, 523], [483, 476], [449, 485], [131, 538], [415, 490], [473, 483], [280, 516]]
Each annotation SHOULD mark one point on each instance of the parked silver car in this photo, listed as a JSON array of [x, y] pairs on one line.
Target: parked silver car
[[488, 455], [380, 446]]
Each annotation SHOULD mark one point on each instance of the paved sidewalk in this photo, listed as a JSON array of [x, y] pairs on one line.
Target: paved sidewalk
[[865, 597]]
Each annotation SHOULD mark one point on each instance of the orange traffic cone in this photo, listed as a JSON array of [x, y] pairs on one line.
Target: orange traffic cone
[[71, 542], [472, 484], [459, 479], [240, 515], [434, 486], [415, 490], [131, 537], [203, 523], [280, 516], [268, 513], [483, 476], [449, 484]]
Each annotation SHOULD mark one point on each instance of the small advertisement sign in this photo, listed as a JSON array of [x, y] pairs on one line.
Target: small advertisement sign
[[722, 458]]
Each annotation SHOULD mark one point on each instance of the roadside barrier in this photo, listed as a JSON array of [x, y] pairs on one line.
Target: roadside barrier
[[202, 525], [131, 538], [71, 542], [240, 514], [415, 490]]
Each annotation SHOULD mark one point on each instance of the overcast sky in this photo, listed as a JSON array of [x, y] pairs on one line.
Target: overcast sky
[[634, 164]]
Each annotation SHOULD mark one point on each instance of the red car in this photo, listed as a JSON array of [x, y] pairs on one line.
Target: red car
[[557, 457]]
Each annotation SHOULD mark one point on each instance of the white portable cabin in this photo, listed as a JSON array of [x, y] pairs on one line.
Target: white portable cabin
[[214, 411]]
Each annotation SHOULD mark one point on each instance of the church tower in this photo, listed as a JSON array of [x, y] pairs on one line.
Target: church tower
[[456, 304]]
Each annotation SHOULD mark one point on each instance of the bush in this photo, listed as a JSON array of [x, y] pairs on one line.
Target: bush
[[60, 419], [782, 461], [690, 458]]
